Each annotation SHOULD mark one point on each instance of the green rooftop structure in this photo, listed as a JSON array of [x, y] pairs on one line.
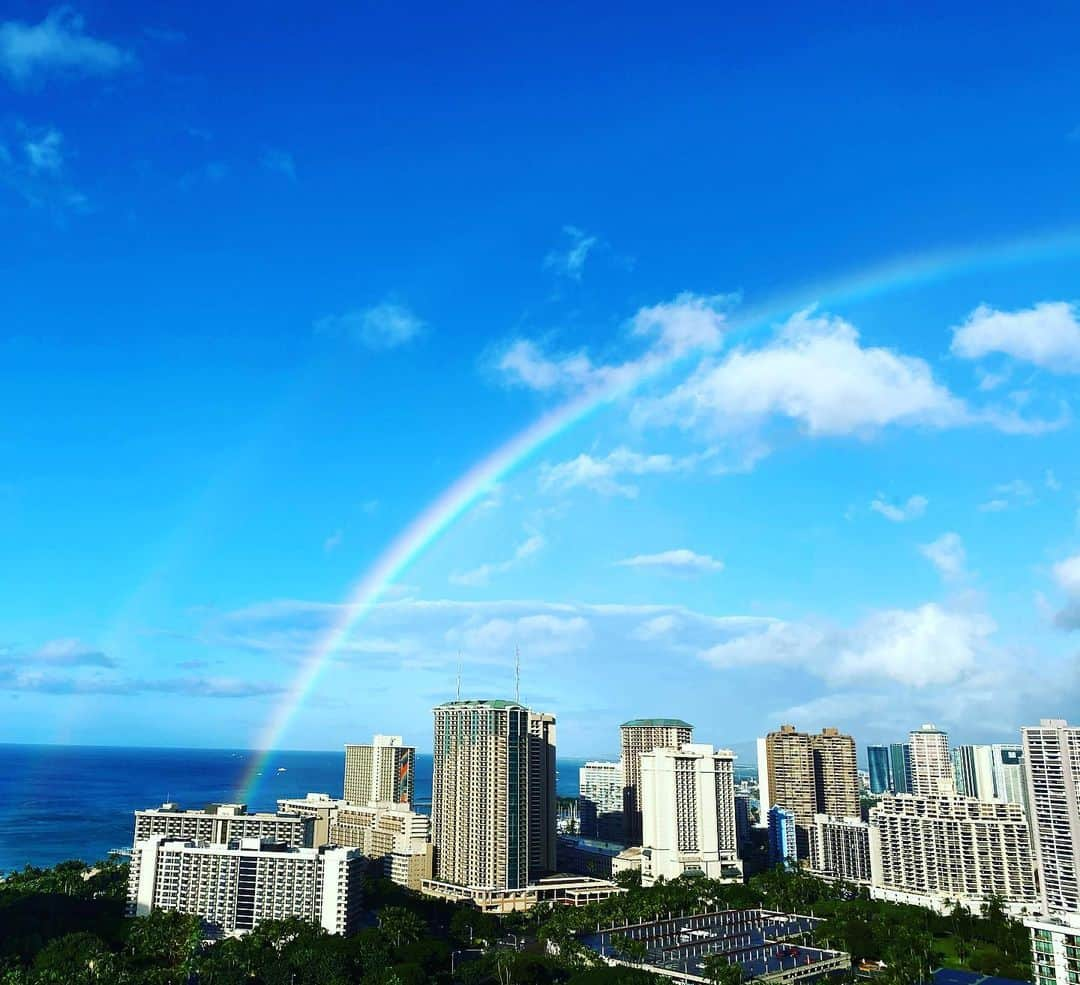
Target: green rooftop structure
[[656, 723]]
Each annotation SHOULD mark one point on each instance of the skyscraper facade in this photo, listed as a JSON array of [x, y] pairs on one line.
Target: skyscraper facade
[[481, 791], [900, 767], [931, 765], [810, 774], [877, 759], [973, 771], [1010, 775], [639, 736], [783, 840], [543, 800], [381, 772], [1052, 760], [688, 813], [600, 800]]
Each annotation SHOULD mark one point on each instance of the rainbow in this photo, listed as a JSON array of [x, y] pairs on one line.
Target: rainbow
[[455, 501]]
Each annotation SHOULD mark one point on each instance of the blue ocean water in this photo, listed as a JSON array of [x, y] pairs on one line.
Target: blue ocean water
[[62, 802]]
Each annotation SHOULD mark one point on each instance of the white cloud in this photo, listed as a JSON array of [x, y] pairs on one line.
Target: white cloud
[[606, 475], [918, 647], [540, 635], [947, 554], [383, 326], [571, 261], [70, 653], [45, 153], [1051, 481], [483, 574], [677, 562], [333, 542], [280, 161], [58, 45], [689, 322], [1067, 575], [1047, 335], [674, 328], [816, 373], [1018, 492], [913, 508]]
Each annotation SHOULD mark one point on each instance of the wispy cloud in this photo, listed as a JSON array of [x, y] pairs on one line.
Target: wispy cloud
[[571, 261], [1067, 575], [386, 325], [32, 167], [280, 162], [669, 330], [947, 554], [483, 574], [680, 561], [913, 508], [1018, 492], [607, 475], [333, 542], [58, 45]]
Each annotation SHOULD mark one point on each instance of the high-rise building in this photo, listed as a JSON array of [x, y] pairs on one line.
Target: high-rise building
[[222, 823], [742, 818], [235, 887], [973, 771], [383, 771], [1010, 775], [481, 794], [543, 799], [639, 736], [1052, 760], [934, 850], [687, 800], [600, 799], [810, 774], [877, 759], [900, 767], [931, 765], [840, 849], [783, 840]]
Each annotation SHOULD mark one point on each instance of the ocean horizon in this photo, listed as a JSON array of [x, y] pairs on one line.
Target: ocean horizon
[[76, 802]]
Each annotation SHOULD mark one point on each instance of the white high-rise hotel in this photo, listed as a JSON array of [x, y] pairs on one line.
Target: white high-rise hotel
[[687, 800]]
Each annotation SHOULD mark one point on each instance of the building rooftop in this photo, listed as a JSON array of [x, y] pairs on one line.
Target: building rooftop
[[482, 703], [656, 723]]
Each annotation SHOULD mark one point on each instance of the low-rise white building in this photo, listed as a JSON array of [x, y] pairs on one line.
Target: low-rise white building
[[235, 887], [222, 823], [933, 851], [687, 800]]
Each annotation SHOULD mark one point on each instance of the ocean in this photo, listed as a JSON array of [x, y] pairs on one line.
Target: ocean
[[64, 802]]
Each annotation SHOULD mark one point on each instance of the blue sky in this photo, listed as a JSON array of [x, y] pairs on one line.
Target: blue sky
[[272, 279]]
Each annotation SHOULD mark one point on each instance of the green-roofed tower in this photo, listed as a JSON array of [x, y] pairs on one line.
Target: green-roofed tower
[[641, 735]]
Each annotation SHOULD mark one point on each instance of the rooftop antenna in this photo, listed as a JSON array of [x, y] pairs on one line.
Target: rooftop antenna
[[517, 674], [459, 675]]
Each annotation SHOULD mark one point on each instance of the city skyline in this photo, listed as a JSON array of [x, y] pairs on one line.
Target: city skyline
[[326, 387]]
